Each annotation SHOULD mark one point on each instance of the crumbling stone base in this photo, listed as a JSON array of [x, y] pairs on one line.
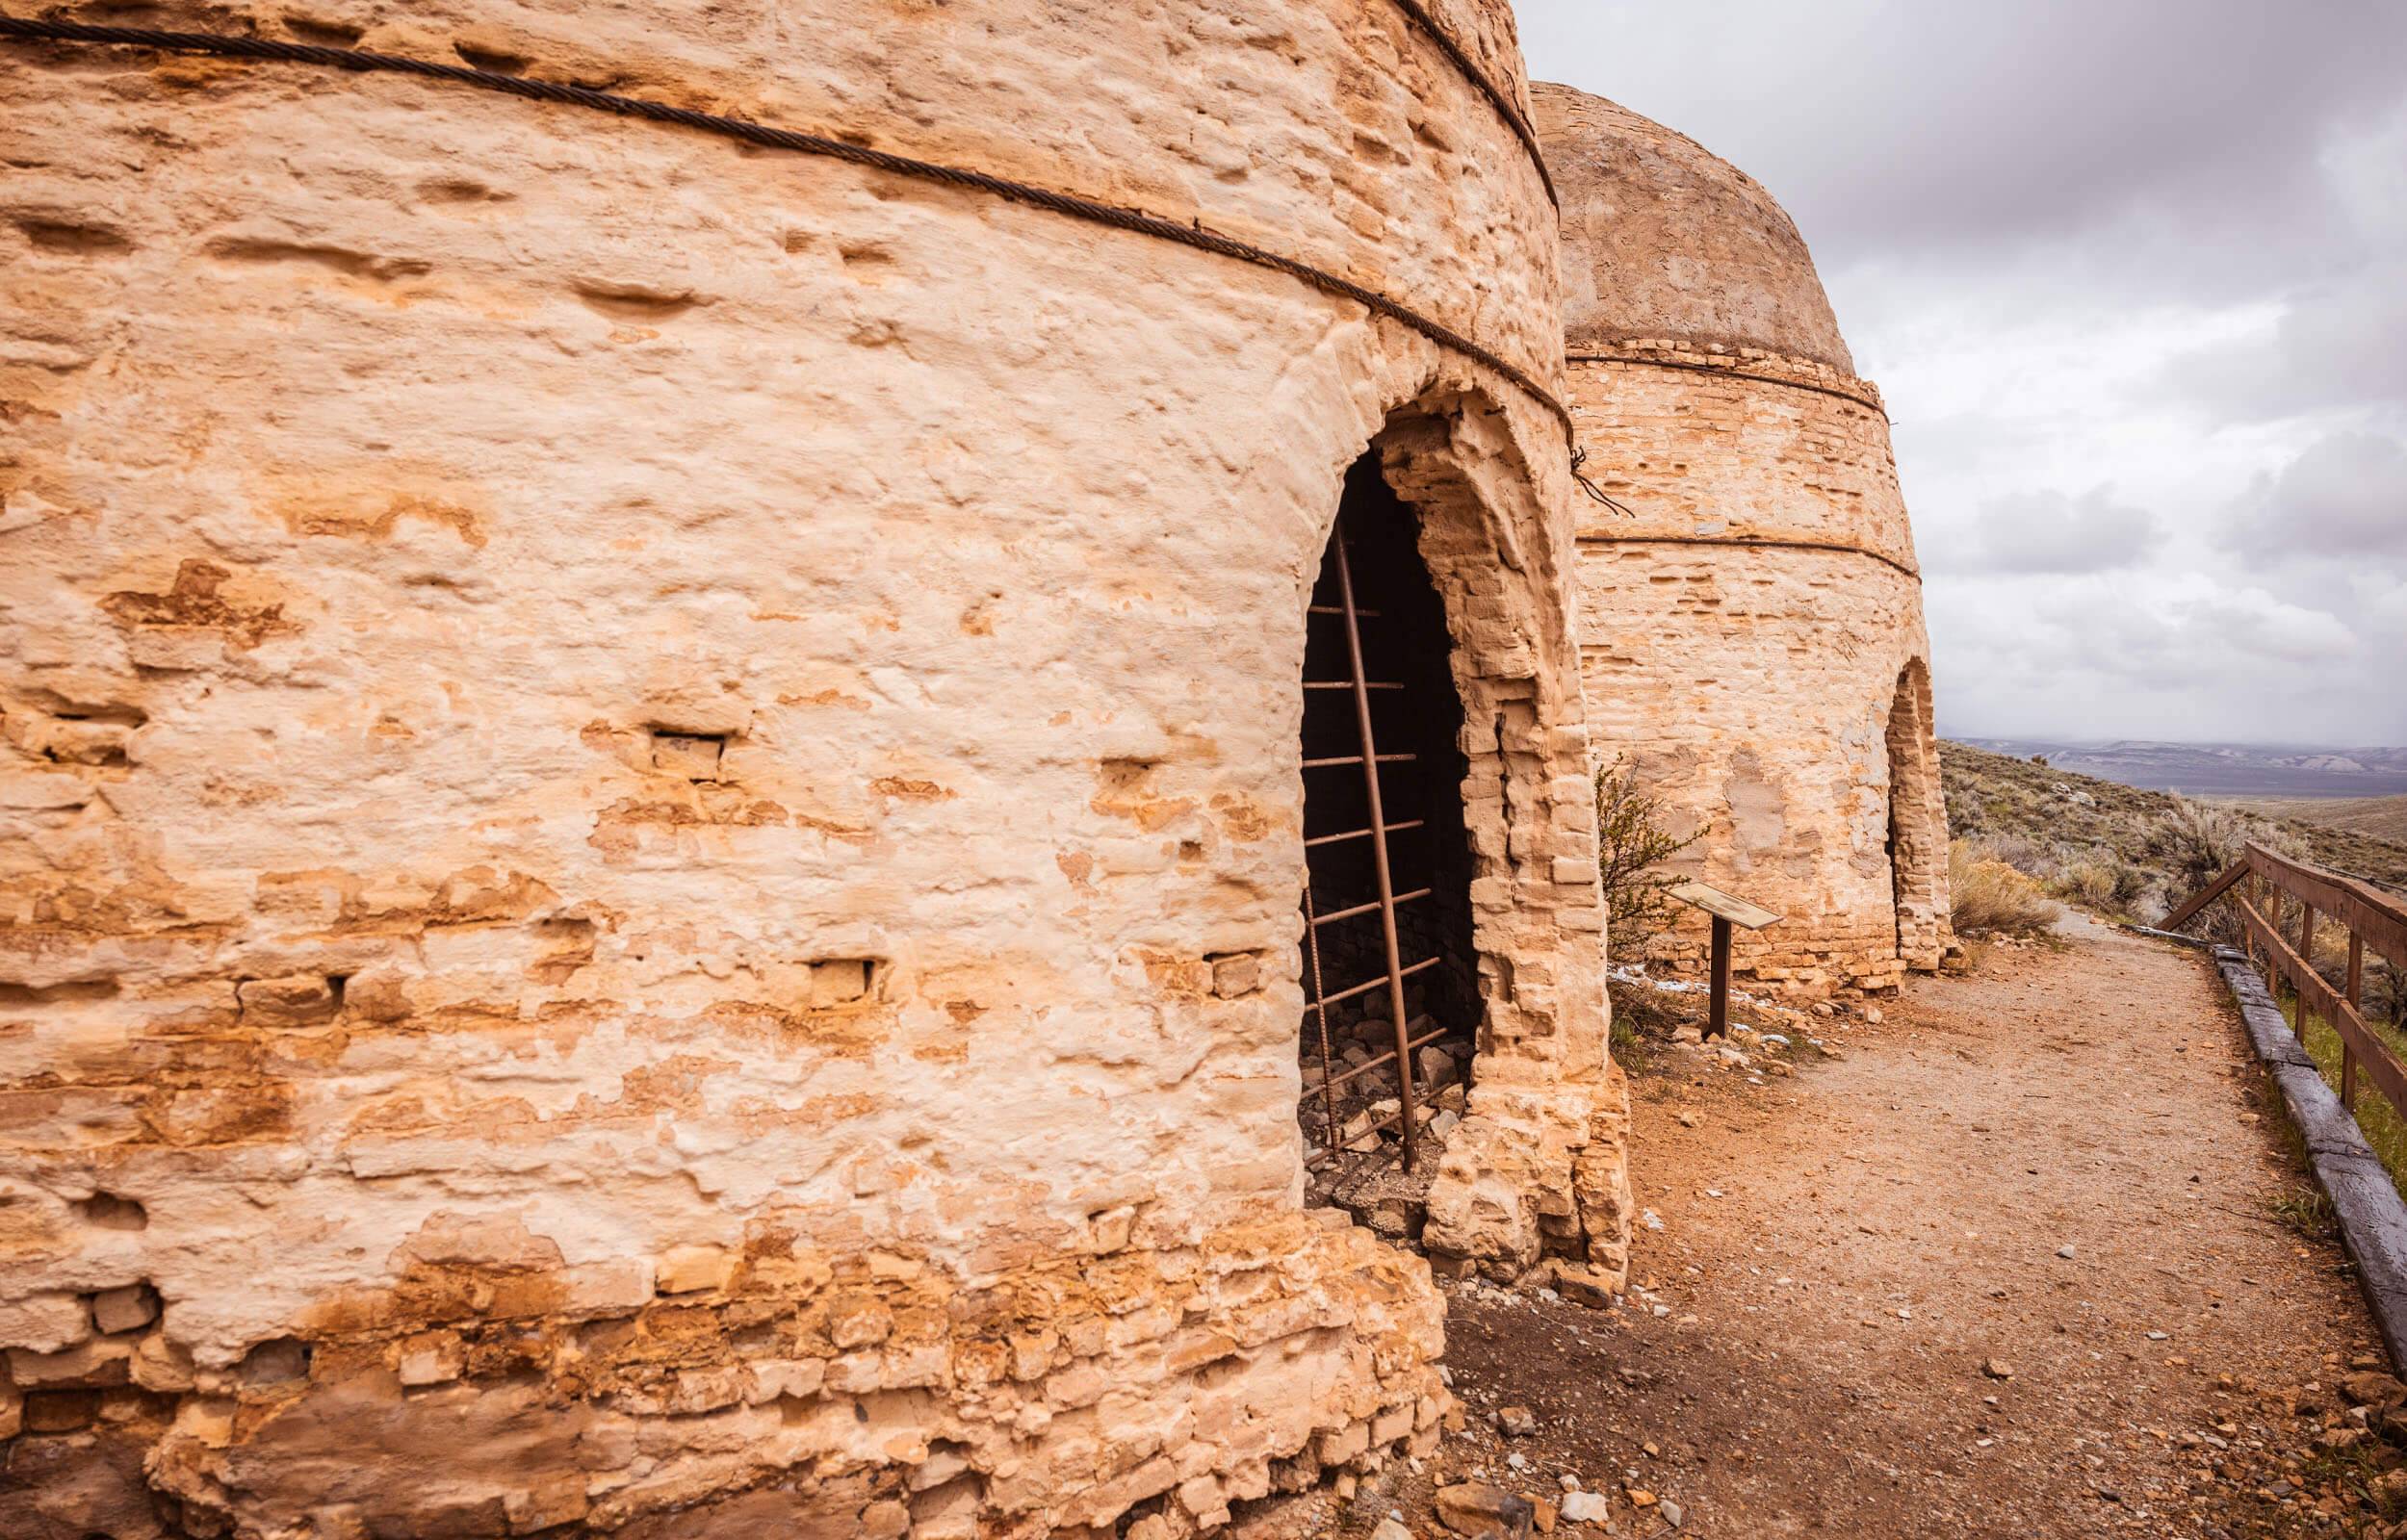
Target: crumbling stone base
[[770, 1390]]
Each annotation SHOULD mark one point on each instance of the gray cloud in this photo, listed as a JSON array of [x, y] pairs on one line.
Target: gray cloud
[[2051, 532], [2337, 344], [1898, 129], [2121, 657], [2150, 242], [2345, 497]]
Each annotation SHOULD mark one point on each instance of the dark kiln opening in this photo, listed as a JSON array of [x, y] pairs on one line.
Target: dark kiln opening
[[1387, 912], [1910, 816]]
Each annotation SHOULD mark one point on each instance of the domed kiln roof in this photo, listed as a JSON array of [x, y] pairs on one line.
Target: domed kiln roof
[[1663, 238]]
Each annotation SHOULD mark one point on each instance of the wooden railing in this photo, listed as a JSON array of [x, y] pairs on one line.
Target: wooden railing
[[2259, 885]]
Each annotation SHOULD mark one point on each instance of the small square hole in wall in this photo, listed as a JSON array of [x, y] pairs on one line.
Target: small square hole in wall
[[840, 981], [109, 1212], [278, 1361], [696, 755]]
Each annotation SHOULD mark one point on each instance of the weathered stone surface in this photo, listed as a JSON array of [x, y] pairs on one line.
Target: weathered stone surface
[[1484, 1511], [689, 1269], [1585, 1507], [610, 834], [1751, 627], [2373, 1388], [1584, 1287], [1665, 238], [128, 1308]]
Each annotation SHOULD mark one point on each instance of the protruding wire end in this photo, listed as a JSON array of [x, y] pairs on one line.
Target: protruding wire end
[[1579, 457]]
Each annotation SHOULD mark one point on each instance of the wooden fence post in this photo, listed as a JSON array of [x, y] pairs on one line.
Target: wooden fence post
[[2248, 937], [2355, 991]]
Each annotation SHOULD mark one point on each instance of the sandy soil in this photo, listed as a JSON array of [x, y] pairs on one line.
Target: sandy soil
[[2016, 1261]]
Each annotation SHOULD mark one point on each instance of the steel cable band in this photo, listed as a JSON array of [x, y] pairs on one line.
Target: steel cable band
[[1505, 106], [1746, 543], [229, 46], [1641, 361]]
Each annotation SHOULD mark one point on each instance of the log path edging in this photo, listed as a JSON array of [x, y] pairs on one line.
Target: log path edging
[[2373, 1215]]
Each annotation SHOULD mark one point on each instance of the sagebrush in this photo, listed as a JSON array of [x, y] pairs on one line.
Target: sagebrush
[[1992, 898]]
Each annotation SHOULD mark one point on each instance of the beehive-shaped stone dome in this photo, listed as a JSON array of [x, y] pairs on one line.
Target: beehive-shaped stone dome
[[653, 773], [1750, 611], [1671, 240]]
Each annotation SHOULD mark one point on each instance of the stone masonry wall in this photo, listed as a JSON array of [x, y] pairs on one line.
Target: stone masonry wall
[[649, 835], [1750, 617], [1753, 687]]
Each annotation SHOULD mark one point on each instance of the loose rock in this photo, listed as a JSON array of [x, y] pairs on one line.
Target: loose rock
[[1484, 1511], [2373, 1389], [1585, 1507]]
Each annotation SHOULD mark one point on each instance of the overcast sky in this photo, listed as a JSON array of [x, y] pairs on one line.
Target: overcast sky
[[2132, 275]]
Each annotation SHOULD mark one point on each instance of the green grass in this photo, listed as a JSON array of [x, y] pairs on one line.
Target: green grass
[[2382, 1126], [2308, 1211], [1629, 1049]]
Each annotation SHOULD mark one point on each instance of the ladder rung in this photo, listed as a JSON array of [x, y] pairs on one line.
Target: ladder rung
[[1384, 1059], [1406, 972], [1366, 909], [1339, 609], [1318, 840], [1347, 684], [1356, 758]]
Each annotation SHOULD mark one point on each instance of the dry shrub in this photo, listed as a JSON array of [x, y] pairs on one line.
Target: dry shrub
[[2090, 884], [2031, 857], [1632, 844], [2193, 843], [2196, 840], [1992, 898], [2101, 882]]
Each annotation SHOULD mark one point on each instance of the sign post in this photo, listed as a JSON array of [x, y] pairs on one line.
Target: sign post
[[1726, 910]]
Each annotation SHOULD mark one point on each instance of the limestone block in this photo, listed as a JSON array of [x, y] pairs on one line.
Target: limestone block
[[44, 1322], [691, 1269], [94, 1361], [838, 982], [161, 1364], [293, 1000], [547, 1501], [691, 758], [128, 1308], [430, 1358], [1237, 974]]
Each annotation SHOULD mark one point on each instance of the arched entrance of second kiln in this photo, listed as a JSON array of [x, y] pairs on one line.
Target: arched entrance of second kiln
[[1913, 805], [1389, 971]]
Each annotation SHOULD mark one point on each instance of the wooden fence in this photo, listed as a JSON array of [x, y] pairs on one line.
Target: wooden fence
[[2262, 886]]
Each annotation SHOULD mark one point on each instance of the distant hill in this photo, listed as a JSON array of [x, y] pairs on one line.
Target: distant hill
[[2382, 817], [2122, 849], [2230, 770]]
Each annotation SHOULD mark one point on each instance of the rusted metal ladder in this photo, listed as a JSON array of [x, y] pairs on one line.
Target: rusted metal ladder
[[1347, 614]]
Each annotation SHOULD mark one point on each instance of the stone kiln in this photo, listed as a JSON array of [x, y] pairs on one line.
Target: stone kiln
[[1750, 623], [653, 797]]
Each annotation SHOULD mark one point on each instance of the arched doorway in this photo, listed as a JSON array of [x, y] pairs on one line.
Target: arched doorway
[[1915, 831], [1388, 964]]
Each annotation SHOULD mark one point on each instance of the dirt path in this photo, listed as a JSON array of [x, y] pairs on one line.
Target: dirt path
[[2057, 1168]]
